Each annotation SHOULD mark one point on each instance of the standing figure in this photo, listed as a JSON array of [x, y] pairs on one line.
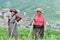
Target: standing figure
[[12, 23], [38, 24]]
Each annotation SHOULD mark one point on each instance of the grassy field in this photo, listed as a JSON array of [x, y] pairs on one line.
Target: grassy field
[[23, 34]]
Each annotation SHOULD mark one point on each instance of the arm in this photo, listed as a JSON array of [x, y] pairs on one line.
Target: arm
[[32, 20], [8, 22], [18, 18]]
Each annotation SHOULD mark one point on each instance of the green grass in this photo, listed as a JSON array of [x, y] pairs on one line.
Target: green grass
[[23, 34]]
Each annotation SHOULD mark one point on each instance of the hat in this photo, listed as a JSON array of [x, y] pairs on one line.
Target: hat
[[13, 10], [39, 9]]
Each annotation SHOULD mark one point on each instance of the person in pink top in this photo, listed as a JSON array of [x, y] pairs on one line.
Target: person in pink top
[[38, 24]]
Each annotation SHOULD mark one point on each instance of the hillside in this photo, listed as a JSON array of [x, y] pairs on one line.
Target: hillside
[[51, 8]]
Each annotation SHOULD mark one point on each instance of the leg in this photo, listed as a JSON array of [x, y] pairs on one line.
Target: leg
[[15, 32], [41, 33], [36, 33], [9, 31], [16, 38]]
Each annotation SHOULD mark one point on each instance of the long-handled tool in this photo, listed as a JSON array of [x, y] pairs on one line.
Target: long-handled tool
[[12, 30], [30, 31]]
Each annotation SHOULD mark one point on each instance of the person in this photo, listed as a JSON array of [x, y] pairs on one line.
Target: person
[[12, 23], [38, 24]]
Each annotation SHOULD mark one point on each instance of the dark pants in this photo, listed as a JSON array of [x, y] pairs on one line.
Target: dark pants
[[38, 31]]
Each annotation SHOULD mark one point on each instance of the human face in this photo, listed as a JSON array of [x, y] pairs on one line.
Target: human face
[[13, 13], [39, 12]]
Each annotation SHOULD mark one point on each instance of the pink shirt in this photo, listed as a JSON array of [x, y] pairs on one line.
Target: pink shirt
[[38, 19]]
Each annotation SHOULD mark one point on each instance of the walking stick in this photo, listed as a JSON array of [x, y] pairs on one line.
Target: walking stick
[[30, 31], [12, 29]]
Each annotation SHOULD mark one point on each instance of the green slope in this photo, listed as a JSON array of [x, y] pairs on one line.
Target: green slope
[[23, 34], [29, 6]]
